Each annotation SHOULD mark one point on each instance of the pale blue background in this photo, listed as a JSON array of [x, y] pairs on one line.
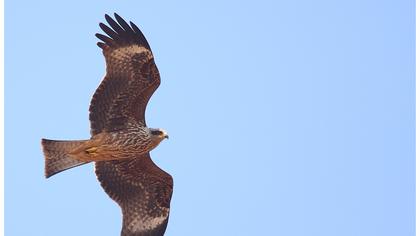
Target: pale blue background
[[290, 118]]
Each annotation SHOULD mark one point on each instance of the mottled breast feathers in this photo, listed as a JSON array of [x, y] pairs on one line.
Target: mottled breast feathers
[[141, 189]]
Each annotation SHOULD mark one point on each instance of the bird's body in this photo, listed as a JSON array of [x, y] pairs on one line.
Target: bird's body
[[133, 140], [120, 139]]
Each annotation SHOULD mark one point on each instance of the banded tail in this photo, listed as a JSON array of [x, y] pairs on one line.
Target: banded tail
[[56, 155]]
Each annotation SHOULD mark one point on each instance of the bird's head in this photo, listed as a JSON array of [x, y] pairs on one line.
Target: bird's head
[[158, 134]]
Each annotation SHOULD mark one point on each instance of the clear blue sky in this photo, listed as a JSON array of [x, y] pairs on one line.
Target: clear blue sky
[[286, 117]]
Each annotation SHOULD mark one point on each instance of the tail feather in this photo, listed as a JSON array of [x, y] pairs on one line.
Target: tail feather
[[56, 156]]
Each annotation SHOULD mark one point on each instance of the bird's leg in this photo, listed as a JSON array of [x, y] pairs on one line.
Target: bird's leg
[[91, 151]]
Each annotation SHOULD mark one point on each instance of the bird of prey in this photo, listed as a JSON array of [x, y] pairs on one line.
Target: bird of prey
[[120, 140]]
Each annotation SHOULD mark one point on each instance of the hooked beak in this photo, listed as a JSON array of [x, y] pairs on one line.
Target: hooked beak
[[166, 136]]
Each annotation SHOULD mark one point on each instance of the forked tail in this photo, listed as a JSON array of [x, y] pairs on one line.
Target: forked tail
[[56, 156]]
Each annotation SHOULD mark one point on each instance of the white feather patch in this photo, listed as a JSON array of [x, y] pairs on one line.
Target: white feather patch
[[124, 53], [149, 223]]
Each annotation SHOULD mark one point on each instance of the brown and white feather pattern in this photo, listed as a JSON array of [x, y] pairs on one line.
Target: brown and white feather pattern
[[143, 192], [141, 189], [131, 78]]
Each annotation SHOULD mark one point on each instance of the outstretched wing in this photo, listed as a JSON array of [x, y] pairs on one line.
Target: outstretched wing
[[130, 80], [143, 192]]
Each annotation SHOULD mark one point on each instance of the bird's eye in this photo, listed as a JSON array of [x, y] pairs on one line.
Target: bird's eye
[[156, 132]]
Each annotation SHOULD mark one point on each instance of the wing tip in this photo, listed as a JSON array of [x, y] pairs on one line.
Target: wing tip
[[101, 45], [106, 16], [116, 15], [121, 33]]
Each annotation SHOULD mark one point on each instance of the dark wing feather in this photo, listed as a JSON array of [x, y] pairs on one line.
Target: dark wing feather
[[131, 77], [130, 105], [143, 192]]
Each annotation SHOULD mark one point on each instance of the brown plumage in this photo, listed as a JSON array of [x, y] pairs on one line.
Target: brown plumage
[[120, 141]]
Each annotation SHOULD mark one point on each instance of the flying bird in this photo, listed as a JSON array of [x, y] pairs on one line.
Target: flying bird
[[120, 139]]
